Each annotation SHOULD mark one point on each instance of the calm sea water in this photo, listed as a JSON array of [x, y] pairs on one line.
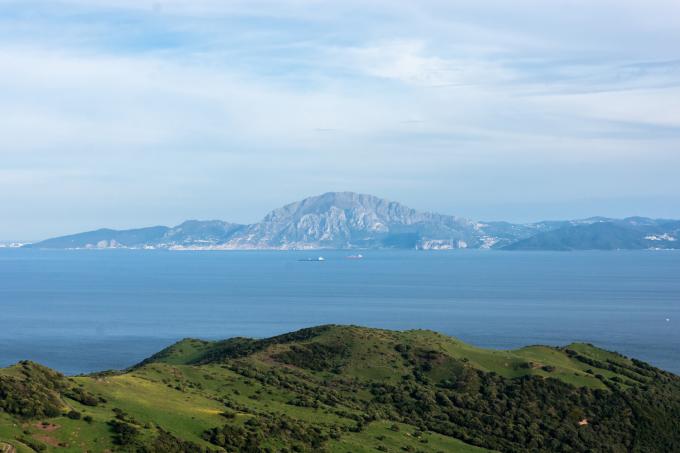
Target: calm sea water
[[81, 311]]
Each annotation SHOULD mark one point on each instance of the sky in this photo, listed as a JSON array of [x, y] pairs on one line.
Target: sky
[[128, 113]]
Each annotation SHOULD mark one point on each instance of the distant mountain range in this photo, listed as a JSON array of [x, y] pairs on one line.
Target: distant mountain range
[[347, 220]]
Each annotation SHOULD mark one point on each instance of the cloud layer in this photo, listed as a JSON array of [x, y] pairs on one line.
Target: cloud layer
[[124, 113]]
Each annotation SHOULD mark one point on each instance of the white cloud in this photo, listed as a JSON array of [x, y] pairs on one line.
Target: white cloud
[[65, 98], [655, 107], [408, 62], [187, 104]]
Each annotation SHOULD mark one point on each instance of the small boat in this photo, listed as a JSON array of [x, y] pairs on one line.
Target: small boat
[[321, 258], [355, 257]]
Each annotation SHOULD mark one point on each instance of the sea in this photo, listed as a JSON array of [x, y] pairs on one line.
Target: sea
[[93, 310]]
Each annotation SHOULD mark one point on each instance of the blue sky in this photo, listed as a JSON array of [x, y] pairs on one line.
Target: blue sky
[[130, 113]]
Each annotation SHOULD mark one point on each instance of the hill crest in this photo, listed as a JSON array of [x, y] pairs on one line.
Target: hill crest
[[347, 388]]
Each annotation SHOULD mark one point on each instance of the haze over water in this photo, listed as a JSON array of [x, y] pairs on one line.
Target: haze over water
[[81, 311]]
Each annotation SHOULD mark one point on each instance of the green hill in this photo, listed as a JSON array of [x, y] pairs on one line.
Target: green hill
[[347, 389]]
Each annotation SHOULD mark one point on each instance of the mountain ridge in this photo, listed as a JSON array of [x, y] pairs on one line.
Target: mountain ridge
[[348, 220], [340, 388]]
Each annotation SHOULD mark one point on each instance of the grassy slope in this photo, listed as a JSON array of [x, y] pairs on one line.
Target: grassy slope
[[185, 388], [383, 433]]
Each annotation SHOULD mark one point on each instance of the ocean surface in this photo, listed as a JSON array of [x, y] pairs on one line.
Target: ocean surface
[[83, 311]]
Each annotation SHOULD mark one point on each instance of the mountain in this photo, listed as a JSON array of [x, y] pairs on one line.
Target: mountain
[[350, 220], [338, 220], [346, 388], [347, 220], [189, 233], [606, 234]]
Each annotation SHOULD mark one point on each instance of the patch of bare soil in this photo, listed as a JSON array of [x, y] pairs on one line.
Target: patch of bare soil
[[47, 427], [49, 440]]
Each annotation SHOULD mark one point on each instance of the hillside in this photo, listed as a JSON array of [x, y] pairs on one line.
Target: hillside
[[345, 388]]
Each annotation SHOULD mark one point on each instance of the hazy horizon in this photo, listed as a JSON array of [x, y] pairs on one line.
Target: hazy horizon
[[124, 226], [126, 114]]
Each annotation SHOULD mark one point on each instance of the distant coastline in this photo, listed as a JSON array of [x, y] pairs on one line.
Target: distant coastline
[[351, 221]]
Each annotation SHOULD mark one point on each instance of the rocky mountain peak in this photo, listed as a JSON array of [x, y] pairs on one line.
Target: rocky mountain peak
[[334, 202]]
